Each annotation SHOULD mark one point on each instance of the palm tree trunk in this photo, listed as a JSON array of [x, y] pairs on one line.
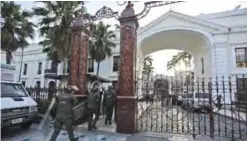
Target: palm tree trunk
[[22, 50], [98, 65]]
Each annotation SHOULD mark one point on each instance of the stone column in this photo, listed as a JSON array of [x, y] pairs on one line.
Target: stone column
[[126, 99], [74, 61], [79, 56], [83, 57]]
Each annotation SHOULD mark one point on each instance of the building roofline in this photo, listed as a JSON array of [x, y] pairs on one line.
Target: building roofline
[[223, 14], [196, 20]]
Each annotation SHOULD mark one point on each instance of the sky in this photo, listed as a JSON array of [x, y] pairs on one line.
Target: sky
[[192, 8]]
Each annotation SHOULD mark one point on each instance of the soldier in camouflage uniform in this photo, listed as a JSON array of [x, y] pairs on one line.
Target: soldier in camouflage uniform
[[109, 102], [93, 104], [64, 113]]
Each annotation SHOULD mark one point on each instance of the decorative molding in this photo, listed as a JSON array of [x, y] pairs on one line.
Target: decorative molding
[[143, 37], [79, 29], [224, 14], [185, 18], [105, 12], [227, 32], [39, 60], [244, 43]]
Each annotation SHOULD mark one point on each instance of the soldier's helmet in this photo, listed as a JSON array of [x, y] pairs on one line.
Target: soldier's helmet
[[110, 87], [95, 89]]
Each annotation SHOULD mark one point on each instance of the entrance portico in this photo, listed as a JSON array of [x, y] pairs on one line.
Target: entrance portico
[[174, 30]]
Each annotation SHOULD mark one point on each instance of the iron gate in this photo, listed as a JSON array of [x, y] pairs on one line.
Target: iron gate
[[200, 107]]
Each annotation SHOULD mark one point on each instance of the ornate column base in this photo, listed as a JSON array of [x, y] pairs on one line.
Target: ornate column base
[[126, 114]]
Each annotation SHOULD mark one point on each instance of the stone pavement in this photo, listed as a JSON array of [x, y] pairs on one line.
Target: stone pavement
[[100, 124], [36, 135]]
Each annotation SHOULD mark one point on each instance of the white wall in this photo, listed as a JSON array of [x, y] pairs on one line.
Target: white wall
[[33, 55], [232, 18]]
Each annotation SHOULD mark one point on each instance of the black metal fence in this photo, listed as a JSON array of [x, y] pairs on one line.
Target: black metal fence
[[216, 107], [43, 93]]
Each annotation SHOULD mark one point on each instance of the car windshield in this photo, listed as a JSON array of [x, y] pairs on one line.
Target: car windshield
[[202, 95], [12, 90]]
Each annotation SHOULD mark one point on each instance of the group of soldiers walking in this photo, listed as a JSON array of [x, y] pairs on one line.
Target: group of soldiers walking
[[65, 114]]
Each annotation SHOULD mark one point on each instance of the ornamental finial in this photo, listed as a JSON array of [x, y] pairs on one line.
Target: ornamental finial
[[130, 4]]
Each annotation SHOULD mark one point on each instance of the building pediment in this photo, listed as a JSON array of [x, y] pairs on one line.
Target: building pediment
[[172, 19]]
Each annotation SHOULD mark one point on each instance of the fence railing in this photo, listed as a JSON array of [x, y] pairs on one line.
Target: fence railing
[[44, 93], [216, 107]]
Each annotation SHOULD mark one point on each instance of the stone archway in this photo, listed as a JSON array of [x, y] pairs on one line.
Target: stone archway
[[195, 42]]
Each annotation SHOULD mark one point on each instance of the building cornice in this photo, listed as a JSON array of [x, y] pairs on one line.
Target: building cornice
[[240, 29], [239, 43], [231, 43], [184, 17], [38, 60], [224, 14]]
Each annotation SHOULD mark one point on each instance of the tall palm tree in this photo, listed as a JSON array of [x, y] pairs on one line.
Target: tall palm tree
[[101, 44], [147, 66], [55, 25], [178, 58], [15, 28]]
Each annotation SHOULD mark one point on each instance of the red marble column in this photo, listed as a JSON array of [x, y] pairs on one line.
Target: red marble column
[[83, 65], [74, 61], [79, 55], [126, 99]]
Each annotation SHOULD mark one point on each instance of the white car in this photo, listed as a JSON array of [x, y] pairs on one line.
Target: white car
[[196, 101], [17, 107]]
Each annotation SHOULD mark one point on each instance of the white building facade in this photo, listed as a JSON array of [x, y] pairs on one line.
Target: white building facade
[[217, 42], [35, 63]]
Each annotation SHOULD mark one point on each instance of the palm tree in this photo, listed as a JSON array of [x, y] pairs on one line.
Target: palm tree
[[101, 44], [147, 66], [55, 26], [178, 58], [15, 28]]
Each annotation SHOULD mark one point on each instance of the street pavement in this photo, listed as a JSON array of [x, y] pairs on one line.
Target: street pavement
[[35, 135], [154, 124]]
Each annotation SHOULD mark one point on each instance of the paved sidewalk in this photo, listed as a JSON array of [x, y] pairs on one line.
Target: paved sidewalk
[[35, 135]]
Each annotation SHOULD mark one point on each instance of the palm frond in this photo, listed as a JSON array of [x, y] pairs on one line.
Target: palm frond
[[178, 58], [101, 44], [15, 27]]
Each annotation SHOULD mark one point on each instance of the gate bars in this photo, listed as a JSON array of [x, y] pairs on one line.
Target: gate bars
[[216, 107]]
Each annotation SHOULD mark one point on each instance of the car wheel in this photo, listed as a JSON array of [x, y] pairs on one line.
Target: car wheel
[[26, 125]]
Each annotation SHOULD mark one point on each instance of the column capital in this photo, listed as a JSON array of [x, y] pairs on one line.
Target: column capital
[[81, 29], [128, 16]]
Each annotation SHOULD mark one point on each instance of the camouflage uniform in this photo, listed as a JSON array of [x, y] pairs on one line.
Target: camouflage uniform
[[93, 104], [64, 115], [109, 102]]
